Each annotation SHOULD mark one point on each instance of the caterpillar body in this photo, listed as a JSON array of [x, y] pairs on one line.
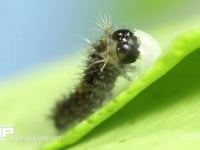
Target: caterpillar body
[[111, 57]]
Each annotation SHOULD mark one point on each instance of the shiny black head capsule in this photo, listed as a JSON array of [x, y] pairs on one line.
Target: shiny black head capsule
[[127, 46]]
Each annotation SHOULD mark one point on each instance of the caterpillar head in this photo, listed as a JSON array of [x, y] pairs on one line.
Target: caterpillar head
[[127, 46]]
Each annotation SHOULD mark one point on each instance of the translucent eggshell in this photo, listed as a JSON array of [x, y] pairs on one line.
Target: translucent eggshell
[[149, 48]]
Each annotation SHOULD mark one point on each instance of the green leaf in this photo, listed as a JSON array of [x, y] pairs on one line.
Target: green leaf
[[183, 46], [163, 116]]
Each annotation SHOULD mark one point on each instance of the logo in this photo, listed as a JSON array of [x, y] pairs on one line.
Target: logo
[[4, 131]]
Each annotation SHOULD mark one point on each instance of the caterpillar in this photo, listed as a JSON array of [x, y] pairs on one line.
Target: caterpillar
[[112, 55]]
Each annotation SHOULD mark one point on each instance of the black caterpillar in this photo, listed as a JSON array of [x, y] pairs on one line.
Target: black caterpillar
[[112, 54]]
